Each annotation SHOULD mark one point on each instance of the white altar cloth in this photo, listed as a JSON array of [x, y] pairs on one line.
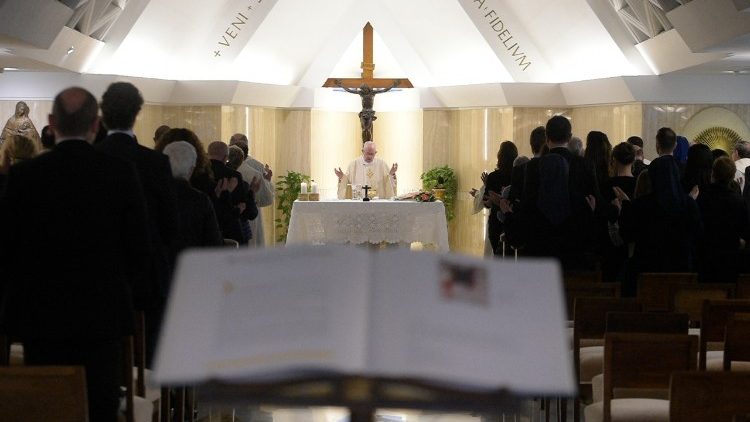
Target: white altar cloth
[[348, 221]]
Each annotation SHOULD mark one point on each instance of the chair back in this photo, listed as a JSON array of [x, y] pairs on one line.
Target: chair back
[[43, 393], [714, 319], [743, 286], [737, 340], [590, 320], [231, 243], [655, 289], [699, 396], [575, 288], [647, 322], [689, 298], [626, 367]]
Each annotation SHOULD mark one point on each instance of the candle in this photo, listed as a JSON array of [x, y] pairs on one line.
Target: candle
[[313, 187], [303, 187]]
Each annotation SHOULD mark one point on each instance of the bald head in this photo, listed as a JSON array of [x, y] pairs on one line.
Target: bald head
[[74, 114], [369, 151], [218, 150]]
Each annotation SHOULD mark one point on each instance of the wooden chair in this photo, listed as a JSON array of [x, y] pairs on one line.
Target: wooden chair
[[43, 393], [640, 322], [737, 342], [714, 318], [575, 288], [590, 322], [689, 298], [655, 290], [645, 322], [708, 396], [626, 368], [743, 286]]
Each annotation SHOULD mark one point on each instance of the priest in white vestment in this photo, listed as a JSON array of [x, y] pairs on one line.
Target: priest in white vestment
[[370, 171]]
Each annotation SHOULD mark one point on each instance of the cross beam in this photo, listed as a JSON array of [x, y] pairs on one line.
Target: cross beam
[[367, 66]]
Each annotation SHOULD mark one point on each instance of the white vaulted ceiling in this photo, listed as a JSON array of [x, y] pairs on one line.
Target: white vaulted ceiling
[[435, 43]]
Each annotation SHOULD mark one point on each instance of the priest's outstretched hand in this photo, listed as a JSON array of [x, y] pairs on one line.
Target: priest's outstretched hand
[[339, 173], [394, 167]]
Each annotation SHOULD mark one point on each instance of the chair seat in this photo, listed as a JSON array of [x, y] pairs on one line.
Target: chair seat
[[597, 387], [592, 362], [630, 410], [143, 410], [715, 362]]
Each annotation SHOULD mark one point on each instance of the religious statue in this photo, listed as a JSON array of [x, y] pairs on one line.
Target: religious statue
[[367, 115], [20, 124]]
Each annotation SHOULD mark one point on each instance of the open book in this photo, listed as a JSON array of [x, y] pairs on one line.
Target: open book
[[280, 314]]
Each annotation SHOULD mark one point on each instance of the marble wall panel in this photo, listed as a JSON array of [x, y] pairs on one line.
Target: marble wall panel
[[399, 138], [677, 116], [525, 119], [618, 121]]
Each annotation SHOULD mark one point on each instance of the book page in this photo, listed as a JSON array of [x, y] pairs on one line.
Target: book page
[[261, 315], [470, 323]]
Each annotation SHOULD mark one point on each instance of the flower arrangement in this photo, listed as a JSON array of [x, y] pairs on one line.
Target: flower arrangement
[[425, 196], [446, 178]]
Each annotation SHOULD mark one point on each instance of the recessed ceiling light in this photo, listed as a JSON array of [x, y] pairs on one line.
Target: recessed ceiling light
[[71, 49], [10, 68]]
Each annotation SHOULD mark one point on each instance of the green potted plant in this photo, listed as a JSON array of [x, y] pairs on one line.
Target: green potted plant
[[442, 178], [288, 188]]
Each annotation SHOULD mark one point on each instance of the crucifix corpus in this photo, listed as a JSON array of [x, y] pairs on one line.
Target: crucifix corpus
[[367, 86]]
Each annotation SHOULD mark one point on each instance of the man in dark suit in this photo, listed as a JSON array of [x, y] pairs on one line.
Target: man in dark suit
[[554, 216], [82, 210], [120, 106]]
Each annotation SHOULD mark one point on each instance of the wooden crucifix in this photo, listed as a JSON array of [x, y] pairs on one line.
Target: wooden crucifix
[[367, 86]]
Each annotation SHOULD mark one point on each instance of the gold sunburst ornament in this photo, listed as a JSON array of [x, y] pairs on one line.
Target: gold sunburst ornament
[[719, 137]]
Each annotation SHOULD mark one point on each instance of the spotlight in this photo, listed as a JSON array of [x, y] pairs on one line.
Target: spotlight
[[71, 49]]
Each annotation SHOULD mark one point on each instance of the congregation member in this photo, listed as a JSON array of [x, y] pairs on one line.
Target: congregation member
[[121, 103], [83, 211], [553, 218], [537, 141], [576, 146], [597, 157], [496, 182], [640, 163], [368, 170], [240, 197], [198, 224], [741, 157], [697, 168], [253, 169], [47, 138], [664, 223], [615, 251], [235, 159], [726, 226]]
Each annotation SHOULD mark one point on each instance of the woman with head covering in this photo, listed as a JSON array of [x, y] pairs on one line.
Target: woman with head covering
[[681, 151], [20, 124], [725, 220], [663, 224]]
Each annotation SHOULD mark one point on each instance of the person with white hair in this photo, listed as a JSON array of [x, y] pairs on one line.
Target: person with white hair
[[197, 219], [368, 170]]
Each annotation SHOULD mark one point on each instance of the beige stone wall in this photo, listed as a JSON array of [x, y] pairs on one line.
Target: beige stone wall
[[314, 142]]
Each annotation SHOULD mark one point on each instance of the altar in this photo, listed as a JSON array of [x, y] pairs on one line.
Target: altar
[[357, 222]]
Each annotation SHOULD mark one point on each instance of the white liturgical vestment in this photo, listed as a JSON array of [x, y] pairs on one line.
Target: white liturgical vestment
[[375, 174]]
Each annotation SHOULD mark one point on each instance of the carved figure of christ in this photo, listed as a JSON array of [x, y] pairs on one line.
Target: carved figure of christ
[[367, 86]]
